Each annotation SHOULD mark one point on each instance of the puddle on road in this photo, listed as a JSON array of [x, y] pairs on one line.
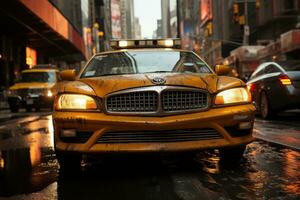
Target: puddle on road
[[26, 170], [27, 159]]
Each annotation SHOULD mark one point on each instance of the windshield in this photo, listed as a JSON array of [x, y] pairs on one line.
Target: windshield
[[45, 77], [134, 62]]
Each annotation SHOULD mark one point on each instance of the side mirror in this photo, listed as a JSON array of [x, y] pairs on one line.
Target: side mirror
[[222, 69], [68, 75]]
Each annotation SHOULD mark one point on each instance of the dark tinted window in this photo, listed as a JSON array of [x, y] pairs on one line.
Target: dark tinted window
[[27, 77], [134, 62], [271, 69]]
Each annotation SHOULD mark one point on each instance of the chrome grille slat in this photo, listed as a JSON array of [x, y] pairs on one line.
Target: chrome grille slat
[[157, 100], [159, 136], [133, 102], [183, 100]]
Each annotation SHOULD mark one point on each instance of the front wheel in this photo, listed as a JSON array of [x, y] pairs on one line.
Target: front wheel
[[68, 162], [28, 108], [14, 108], [233, 154], [265, 109]]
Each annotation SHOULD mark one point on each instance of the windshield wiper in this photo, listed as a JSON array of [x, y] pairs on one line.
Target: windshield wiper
[[160, 72], [114, 74]]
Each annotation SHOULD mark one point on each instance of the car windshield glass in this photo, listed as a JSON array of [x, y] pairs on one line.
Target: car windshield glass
[[37, 77], [291, 66], [135, 62]]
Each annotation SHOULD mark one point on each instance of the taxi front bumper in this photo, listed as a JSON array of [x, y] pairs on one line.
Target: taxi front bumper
[[31, 100], [227, 122]]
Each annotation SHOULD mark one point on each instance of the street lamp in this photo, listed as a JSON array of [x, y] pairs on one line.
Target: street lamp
[[246, 26]]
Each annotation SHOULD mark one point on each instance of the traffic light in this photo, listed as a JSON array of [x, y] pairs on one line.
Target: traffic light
[[242, 20], [257, 3], [100, 34], [236, 12], [209, 28]]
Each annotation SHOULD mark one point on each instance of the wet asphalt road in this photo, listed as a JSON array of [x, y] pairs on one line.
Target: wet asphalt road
[[29, 170]]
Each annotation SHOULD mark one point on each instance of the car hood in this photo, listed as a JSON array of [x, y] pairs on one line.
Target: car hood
[[104, 85], [33, 85]]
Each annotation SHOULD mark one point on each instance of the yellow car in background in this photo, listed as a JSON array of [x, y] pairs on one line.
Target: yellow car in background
[[150, 97], [34, 89]]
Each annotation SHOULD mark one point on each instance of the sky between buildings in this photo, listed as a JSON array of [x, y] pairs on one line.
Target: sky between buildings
[[148, 11]]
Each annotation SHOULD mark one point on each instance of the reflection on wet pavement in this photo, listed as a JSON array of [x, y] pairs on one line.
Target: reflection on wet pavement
[[29, 170], [26, 154]]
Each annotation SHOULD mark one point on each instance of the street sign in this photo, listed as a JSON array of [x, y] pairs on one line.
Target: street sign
[[246, 30]]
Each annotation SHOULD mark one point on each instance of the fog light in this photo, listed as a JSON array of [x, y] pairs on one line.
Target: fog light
[[68, 133], [245, 125]]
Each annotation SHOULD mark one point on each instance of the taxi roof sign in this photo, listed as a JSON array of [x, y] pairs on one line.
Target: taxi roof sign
[[148, 43]]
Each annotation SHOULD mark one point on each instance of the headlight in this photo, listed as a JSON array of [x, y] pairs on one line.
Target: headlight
[[11, 92], [49, 93], [232, 96], [75, 102]]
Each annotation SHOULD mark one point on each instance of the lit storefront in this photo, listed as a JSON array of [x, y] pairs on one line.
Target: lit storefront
[[31, 57]]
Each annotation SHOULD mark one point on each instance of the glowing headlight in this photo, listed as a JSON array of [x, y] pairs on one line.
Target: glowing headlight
[[231, 96], [75, 102], [11, 92], [49, 93]]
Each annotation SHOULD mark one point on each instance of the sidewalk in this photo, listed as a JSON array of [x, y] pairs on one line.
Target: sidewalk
[[4, 105]]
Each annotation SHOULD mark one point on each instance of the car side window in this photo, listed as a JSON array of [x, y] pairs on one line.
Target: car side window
[[271, 69], [257, 74]]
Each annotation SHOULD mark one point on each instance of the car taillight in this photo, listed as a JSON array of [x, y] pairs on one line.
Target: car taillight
[[251, 87], [285, 80]]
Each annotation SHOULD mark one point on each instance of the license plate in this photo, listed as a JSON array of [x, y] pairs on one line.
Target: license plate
[[33, 95], [29, 101]]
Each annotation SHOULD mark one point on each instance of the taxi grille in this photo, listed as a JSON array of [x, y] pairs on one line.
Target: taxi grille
[[25, 92], [163, 101], [146, 101], [159, 136], [183, 100]]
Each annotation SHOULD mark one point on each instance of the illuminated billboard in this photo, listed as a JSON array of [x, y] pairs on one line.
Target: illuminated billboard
[[31, 57], [206, 9], [115, 19]]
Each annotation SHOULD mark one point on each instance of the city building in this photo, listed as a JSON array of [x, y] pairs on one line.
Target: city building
[[188, 15], [122, 19], [165, 18], [127, 19], [137, 28], [158, 32], [39, 31]]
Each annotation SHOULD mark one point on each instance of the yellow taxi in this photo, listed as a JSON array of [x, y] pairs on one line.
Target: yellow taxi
[[34, 89], [148, 96]]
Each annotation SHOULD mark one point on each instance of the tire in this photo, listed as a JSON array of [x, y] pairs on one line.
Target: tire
[[68, 162], [28, 108], [264, 106], [14, 108], [233, 154]]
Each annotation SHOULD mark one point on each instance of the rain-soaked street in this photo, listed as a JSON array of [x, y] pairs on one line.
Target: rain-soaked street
[[29, 170]]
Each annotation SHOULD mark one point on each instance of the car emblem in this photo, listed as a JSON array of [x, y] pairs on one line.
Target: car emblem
[[158, 81]]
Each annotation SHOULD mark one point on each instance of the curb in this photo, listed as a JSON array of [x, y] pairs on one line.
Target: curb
[[4, 105]]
